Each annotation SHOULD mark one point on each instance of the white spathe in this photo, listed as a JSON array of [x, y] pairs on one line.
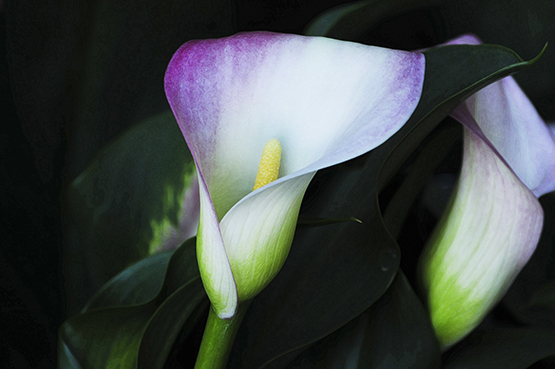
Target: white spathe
[[325, 101]]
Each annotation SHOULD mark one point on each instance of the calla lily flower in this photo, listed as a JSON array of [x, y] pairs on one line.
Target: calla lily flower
[[277, 107], [494, 220]]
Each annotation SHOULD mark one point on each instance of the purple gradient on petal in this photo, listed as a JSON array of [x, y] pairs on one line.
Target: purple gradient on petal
[[510, 121], [192, 67], [528, 211], [464, 117], [354, 141], [493, 131]]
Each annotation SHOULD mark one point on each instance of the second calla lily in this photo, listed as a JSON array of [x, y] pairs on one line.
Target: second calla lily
[[317, 102], [494, 221]]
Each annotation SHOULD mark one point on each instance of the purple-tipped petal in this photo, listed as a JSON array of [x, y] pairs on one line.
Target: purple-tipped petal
[[512, 125], [495, 220], [487, 235], [324, 100]]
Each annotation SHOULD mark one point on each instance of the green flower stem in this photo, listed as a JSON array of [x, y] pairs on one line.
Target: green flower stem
[[218, 339]]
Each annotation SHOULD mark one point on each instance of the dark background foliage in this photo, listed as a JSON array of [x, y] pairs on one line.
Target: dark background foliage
[[76, 74]]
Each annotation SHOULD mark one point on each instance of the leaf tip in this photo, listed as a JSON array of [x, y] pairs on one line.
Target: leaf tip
[[535, 59]]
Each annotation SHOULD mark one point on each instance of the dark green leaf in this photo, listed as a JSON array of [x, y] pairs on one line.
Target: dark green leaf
[[503, 348], [101, 338], [143, 281], [180, 312], [335, 273], [395, 332], [137, 196], [421, 170], [137, 284], [306, 220], [116, 329], [113, 337]]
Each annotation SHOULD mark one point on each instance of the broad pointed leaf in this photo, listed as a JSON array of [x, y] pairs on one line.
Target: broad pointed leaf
[[307, 221], [137, 284], [138, 196], [427, 161], [134, 320], [395, 332]]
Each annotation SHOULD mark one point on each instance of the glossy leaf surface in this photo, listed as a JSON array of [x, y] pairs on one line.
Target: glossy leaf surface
[[136, 197], [117, 328], [395, 332]]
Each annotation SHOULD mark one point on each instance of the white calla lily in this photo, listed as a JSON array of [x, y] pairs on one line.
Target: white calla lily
[[494, 220], [325, 101]]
